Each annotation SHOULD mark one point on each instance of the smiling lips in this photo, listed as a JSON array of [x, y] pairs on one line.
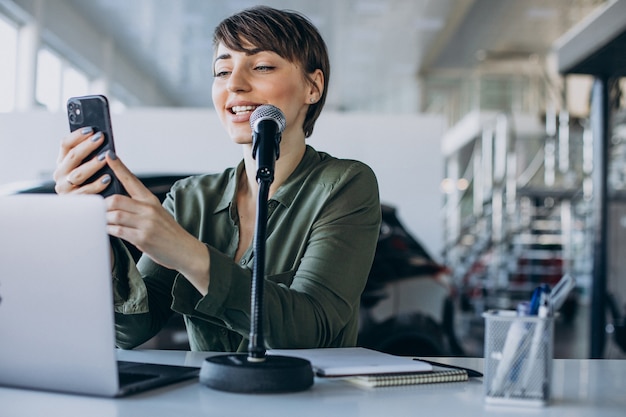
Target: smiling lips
[[238, 110]]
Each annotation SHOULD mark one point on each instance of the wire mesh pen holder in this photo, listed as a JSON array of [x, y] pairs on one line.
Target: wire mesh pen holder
[[518, 358]]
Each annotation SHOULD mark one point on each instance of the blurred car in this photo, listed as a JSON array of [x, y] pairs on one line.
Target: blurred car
[[159, 184], [407, 307]]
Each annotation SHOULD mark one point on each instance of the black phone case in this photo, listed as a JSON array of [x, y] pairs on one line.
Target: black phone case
[[93, 111]]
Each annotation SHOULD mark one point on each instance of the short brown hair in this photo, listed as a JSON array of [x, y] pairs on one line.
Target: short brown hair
[[287, 33]]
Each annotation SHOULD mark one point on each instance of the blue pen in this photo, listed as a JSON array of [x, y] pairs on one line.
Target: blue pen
[[516, 343], [532, 308], [535, 300], [538, 338]]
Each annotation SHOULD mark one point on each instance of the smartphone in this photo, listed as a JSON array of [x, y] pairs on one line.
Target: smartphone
[[93, 111]]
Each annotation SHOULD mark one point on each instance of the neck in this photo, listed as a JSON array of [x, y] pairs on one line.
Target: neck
[[290, 156]]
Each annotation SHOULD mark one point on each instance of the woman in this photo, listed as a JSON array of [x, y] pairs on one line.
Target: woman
[[323, 213]]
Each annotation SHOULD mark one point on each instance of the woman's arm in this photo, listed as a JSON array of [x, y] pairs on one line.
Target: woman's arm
[[140, 219], [143, 300], [139, 316]]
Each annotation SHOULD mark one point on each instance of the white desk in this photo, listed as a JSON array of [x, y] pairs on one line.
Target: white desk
[[581, 388]]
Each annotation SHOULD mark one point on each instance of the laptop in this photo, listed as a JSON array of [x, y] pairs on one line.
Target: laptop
[[56, 301]]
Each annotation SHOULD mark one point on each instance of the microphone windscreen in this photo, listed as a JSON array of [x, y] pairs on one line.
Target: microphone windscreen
[[268, 112]]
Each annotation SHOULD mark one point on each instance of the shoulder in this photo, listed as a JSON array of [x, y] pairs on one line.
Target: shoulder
[[325, 180], [336, 171], [342, 189]]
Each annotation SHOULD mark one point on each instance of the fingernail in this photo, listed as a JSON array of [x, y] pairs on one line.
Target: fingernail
[[86, 130], [106, 179], [112, 155], [96, 137], [102, 156]]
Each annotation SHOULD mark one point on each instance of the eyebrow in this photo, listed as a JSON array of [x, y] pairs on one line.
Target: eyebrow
[[222, 56], [248, 52]]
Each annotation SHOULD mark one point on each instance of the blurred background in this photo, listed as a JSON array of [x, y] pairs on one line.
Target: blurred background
[[497, 129]]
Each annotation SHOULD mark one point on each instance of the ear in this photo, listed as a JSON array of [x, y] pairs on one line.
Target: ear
[[316, 79]]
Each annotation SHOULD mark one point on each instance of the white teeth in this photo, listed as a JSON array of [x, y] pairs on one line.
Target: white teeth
[[243, 109]]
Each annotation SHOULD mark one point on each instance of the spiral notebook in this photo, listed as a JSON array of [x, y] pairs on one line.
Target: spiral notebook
[[392, 380], [352, 361]]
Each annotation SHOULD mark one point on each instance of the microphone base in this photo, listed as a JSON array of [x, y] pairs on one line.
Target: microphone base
[[274, 374]]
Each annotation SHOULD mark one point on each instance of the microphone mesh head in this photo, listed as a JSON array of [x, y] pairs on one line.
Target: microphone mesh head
[[267, 111]]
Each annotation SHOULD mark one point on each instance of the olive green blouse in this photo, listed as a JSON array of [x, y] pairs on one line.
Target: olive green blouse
[[322, 228]]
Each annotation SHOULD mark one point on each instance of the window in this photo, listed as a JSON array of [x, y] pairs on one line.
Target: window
[[57, 80], [8, 64], [48, 87], [75, 83]]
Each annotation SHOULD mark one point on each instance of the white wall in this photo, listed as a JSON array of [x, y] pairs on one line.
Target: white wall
[[403, 150], [405, 153]]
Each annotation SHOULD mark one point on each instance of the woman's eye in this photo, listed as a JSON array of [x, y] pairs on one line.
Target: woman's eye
[[221, 74], [264, 68]]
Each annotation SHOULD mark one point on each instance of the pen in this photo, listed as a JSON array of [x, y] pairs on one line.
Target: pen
[[510, 355], [536, 298], [538, 337], [470, 372]]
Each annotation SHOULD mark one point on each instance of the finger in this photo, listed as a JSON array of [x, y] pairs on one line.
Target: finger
[[143, 225], [71, 158], [73, 139], [125, 218], [132, 185], [119, 206], [120, 224], [64, 186], [95, 187], [79, 175], [126, 233]]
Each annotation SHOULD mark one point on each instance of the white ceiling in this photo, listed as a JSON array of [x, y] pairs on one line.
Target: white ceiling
[[378, 48]]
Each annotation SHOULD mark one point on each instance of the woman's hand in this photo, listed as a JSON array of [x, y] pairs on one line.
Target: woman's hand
[[71, 173], [140, 219]]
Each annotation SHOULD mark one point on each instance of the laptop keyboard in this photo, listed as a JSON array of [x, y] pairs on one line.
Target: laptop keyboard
[[127, 378], [132, 372]]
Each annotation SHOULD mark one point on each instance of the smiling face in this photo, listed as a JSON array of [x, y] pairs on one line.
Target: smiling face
[[245, 80], [287, 39]]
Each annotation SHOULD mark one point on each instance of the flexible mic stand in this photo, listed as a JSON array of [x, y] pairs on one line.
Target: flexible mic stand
[[257, 372]]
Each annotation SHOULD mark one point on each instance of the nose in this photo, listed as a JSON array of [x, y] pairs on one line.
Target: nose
[[238, 81]]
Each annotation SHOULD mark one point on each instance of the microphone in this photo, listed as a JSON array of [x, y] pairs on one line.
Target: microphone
[[257, 372], [267, 123]]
